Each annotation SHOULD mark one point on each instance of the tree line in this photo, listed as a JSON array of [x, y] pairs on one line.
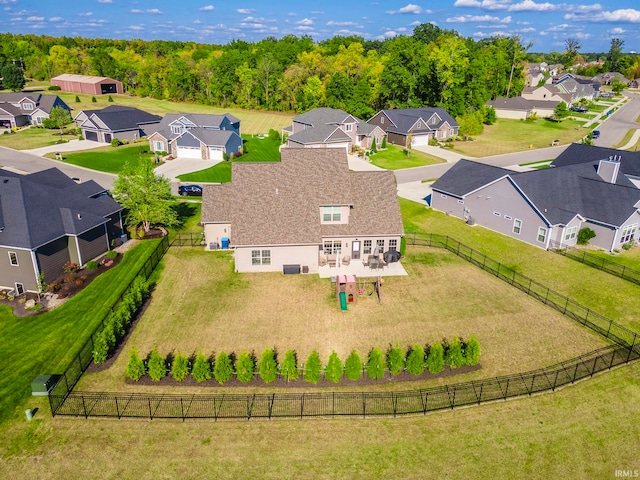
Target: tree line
[[430, 67], [433, 67]]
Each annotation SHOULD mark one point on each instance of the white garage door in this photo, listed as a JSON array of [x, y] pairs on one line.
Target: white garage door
[[420, 140], [189, 152], [215, 153], [344, 145]]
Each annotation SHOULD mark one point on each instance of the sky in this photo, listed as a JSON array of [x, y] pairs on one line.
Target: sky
[[544, 24]]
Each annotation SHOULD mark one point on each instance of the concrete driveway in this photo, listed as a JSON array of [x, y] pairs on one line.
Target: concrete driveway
[[74, 145], [179, 166]]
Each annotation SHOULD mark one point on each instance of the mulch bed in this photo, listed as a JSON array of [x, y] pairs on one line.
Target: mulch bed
[[69, 285], [300, 383]]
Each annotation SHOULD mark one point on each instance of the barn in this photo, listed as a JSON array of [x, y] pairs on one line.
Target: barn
[[87, 84]]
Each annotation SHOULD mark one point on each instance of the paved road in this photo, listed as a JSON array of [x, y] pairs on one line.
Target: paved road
[[614, 128], [27, 163]]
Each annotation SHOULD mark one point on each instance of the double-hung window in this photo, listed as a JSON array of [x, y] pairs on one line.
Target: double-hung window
[[517, 226], [542, 234], [627, 233], [260, 257], [570, 233], [366, 247], [332, 213]]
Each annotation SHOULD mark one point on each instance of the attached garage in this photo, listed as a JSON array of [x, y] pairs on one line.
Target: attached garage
[[93, 136], [344, 145], [420, 140], [189, 152], [216, 153]]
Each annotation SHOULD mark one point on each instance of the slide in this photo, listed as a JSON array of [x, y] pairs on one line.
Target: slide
[[343, 301]]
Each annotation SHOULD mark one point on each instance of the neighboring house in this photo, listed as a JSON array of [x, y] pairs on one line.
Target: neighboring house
[[47, 219], [115, 121], [205, 136], [578, 87], [89, 84], [417, 124], [546, 93], [535, 73], [608, 78], [331, 128], [20, 108], [521, 108], [587, 186], [307, 205]]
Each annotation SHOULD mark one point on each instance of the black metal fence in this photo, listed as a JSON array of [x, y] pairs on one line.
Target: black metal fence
[[600, 263], [587, 317], [366, 404], [187, 239], [332, 404], [83, 359]]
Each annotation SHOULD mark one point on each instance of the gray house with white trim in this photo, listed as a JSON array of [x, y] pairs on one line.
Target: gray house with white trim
[[415, 125], [586, 186], [115, 121], [19, 108], [47, 219]]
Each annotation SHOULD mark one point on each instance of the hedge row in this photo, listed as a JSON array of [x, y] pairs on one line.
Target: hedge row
[[116, 324], [223, 368]]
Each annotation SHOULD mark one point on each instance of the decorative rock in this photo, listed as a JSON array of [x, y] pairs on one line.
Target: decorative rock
[[29, 303]]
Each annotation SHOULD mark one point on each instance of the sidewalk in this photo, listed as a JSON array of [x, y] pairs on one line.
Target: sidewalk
[[444, 153], [634, 139]]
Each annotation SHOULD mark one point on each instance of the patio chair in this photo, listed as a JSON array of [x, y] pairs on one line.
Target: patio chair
[[346, 260], [322, 261]]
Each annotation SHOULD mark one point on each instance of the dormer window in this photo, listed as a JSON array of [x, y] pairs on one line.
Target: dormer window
[[177, 129], [348, 127], [27, 106], [419, 124], [331, 213], [381, 120]]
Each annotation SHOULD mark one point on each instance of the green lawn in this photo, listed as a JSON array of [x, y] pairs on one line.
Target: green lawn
[[28, 138], [507, 135], [109, 159], [251, 121], [393, 158], [46, 343], [604, 293], [257, 149], [626, 139], [630, 258]]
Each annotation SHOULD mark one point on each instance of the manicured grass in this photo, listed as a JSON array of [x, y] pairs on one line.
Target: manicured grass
[[604, 293], [443, 296], [28, 138], [258, 149], [109, 159], [585, 431], [629, 258], [251, 121], [393, 158], [594, 107], [46, 343], [508, 135], [537, 162], [625, 139]]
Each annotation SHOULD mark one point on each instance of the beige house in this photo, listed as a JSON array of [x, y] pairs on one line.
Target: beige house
[[301, 210], [546, 93]]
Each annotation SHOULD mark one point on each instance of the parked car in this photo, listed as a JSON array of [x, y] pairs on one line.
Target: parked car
[[190, 190], [577, 108], [595, 134], [606, 95]]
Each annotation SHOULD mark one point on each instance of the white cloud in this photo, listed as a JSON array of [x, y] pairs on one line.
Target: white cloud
[[136, 10], [197, 22], [136, 27], [410, 9], [305, 21], [332, 23], [245, 11], [559, 28], [304, 28], [478, 18], [85, 14], [35, 19], [524, 6], [105, 1], [4, 2], [292, 14], [207, 8], [56, 19], [154, 11], [617, 31]]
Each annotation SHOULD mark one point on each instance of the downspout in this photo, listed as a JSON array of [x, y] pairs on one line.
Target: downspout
[[106, 231], [78, 250], [36, 271]]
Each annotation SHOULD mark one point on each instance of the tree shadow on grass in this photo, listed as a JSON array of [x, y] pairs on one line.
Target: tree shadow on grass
[[184, 211]]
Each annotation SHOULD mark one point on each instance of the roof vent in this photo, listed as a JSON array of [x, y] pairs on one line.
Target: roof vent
[[79, 217], [6, 180]]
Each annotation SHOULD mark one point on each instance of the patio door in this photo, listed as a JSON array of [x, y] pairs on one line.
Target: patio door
[[355, 250]]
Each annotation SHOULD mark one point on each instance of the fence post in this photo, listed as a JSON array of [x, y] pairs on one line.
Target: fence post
[[117, 409], [84, 407], [182, 408], [595, 361], [575, 373], [631, 348], [506, 391], [364, 405], [555, 381], [150, 415], [565, 306]]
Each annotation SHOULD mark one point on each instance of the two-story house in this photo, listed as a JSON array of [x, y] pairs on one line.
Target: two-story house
[[19, 108], [296, 211], [331, 128], [203, 136]]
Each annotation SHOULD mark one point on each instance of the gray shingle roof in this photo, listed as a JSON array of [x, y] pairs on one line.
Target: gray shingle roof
[[279, 203], [322, 116], [320, 134], [578, 153], [405, 118], [39, 208], [119, 118], [198, 119], [209, 137], [466, 176]]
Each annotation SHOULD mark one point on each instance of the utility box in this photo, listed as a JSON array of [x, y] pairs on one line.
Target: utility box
[[43, 384], [291, 269]]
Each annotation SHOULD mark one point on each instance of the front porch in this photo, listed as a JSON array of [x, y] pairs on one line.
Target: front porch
[[359, 269]]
